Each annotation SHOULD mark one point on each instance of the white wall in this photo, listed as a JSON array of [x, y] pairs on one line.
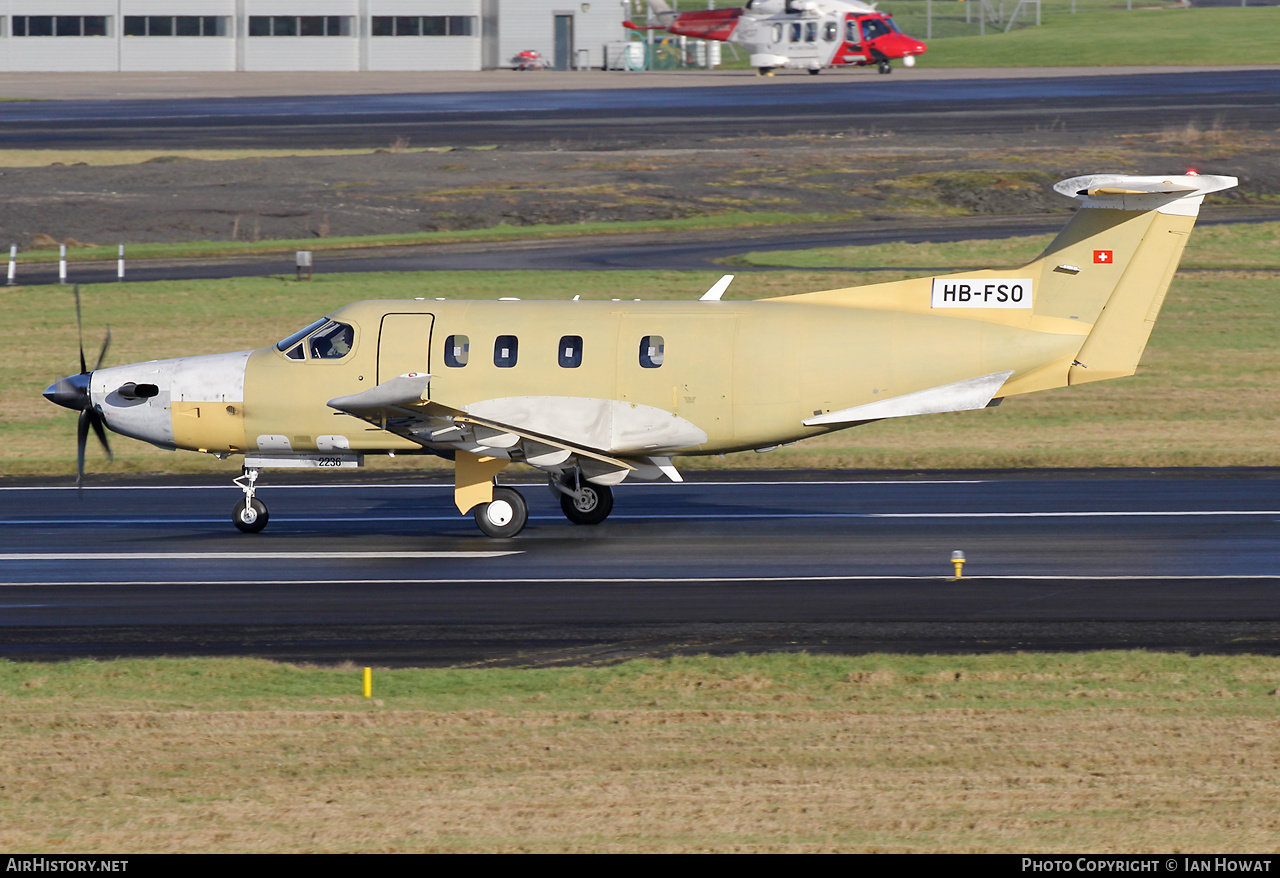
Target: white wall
[[522, 24], [530, 24]]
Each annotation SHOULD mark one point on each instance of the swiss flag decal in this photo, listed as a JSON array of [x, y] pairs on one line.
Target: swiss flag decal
[[1102, 256]]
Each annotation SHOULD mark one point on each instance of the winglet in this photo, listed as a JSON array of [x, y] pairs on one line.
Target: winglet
[[1179, 194], [714, 294]]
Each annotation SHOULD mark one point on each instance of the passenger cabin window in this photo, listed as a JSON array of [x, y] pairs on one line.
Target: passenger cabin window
[[457, 348], [651, 351], [504, 351], [571, 351], [830, 30], [796, 31], [810, 31]]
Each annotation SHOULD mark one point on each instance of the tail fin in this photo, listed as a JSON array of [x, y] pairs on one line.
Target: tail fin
[[1096, 289], [1112, 265]]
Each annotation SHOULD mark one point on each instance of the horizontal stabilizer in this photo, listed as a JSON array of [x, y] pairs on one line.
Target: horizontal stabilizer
[[962, 396], [1180, 195]]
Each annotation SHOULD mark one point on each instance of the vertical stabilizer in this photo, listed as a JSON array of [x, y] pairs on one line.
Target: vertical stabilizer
[[1113, 263]]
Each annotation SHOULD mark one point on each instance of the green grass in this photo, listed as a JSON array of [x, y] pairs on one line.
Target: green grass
[[496, 234], [1048, 681], [1240, 246], [1103, 35], [1207, 393]]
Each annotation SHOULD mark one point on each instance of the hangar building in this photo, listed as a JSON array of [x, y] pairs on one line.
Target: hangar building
[[199, 35]]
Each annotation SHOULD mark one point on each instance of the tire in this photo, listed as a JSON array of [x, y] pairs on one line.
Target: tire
[[885, 67], [504, 516], [249, 517], [593, 508], [813, 71]]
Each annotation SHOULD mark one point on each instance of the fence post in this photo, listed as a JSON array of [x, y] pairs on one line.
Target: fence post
[[13, 263], [120, 265], [62, 263]]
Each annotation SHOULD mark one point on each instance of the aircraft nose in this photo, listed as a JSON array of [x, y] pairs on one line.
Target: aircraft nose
[[71, 392]]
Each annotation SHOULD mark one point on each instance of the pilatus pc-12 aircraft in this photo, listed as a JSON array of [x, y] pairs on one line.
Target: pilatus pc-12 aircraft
[[593, 393]]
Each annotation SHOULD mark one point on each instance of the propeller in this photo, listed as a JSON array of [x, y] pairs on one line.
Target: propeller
[[73, 392]]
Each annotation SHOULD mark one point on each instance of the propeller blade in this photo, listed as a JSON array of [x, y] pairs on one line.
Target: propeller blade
[[102, 354], [95, 421], [82, 439], [79, 329]]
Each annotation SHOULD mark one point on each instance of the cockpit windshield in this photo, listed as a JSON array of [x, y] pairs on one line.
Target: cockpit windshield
[[873, 28], [329, 340], [285, 343]]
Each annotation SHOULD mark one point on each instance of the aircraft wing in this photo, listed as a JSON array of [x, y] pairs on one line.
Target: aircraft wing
[[608, 440]]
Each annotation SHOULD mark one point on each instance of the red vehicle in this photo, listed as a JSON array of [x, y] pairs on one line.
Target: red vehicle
[[530, 59], [804, 34]]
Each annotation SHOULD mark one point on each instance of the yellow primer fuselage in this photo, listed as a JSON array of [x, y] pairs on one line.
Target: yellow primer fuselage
[[747, 374]]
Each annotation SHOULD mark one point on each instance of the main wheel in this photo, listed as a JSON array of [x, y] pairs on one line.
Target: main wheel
[[505, 515], [249, 516], [814, 71], [885, 67], [592, 506]]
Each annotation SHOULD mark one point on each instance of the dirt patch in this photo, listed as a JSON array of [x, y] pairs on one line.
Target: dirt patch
[[855, 176]]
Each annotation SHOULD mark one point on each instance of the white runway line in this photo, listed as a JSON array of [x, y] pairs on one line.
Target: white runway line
[[443, 486], [674, 516], [924, 580], [238, 556]]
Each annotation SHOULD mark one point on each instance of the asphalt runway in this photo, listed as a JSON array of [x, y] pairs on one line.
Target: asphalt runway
[[654, 117], [384, 571]]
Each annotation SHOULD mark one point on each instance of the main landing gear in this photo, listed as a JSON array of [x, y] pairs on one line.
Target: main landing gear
[[505, 515], [884, 67], [580, 500]]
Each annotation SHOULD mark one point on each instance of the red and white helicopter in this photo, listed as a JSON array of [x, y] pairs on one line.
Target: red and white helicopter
[[804, 34]]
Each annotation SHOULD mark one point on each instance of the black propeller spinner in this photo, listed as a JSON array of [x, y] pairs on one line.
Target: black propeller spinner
[[73, 392]]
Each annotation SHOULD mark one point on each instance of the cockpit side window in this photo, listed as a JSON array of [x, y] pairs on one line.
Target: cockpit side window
[[873, 28], [286, 343], [333, 342]]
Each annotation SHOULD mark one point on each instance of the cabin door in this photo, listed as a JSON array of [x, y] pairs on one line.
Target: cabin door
[[404, 345]]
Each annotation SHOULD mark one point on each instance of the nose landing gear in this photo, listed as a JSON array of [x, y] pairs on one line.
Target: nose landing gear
[[250, 514]]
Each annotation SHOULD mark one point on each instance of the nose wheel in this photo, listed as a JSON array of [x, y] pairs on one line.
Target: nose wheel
[[250, 514], [505, 515]]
